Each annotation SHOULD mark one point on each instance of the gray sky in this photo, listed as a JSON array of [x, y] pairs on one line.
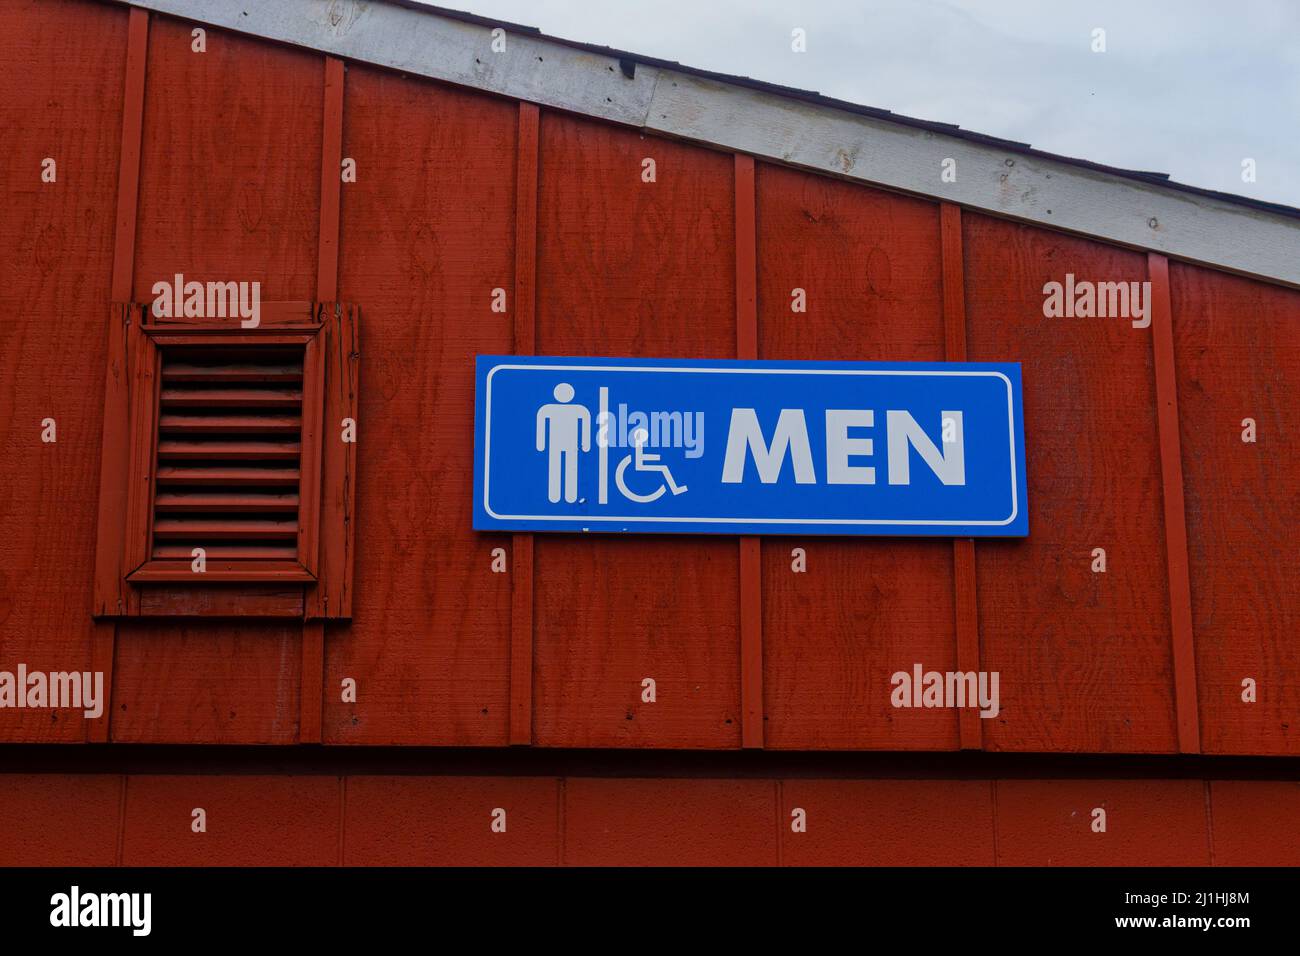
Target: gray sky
[[1185, 87]]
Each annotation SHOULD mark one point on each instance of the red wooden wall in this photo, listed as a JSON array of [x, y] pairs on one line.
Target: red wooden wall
[[870, 264], [1238, 354], [1085, 658], [60, 97], [459, 193], [326, 820]]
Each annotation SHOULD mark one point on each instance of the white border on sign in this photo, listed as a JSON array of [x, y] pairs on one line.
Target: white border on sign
[[487, 447]]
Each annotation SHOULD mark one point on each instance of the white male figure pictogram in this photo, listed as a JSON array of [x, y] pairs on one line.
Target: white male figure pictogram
[[568, 424]]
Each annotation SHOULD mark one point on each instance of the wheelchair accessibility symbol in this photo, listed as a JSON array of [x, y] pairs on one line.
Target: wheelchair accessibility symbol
[[644, 462]]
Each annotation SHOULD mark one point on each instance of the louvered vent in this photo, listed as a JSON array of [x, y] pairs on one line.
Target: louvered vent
[[229, 453]]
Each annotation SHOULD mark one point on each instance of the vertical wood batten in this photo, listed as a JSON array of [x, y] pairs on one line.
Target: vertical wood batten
[[128, 172], [970, 734], [1171, 471], [751, 555], [312, 676], [331, 155], [112, 597], [525, 335]]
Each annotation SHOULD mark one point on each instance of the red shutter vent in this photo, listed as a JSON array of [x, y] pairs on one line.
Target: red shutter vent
[[229, 453], [222, 433]]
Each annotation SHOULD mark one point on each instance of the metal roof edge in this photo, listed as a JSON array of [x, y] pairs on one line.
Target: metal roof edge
[[876, 147]]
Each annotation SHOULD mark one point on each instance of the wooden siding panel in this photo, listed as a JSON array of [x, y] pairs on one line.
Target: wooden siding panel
[[629, 268], [448, 821], [427, 234], [1255, 822], [639, 822], [866, 608], [55, 819], [230, 164], [1148, 823], [61, 98], [250, 821], [1237, 355], [1085, 658], [888, 823], [207, 681]]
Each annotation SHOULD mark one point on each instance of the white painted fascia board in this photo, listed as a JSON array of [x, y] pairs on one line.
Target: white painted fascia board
[[812, 136], [1002, 182]]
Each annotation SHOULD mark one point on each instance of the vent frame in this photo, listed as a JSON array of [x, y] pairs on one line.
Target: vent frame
[[314, 580]]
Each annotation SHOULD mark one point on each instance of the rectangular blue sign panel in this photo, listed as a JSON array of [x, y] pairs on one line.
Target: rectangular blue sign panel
[[736, 447]]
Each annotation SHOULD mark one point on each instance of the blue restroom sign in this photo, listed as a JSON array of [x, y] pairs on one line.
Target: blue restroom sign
[[673, 446]]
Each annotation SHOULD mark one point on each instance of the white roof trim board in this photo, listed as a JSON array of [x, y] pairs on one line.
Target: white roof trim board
[[1005, 182]]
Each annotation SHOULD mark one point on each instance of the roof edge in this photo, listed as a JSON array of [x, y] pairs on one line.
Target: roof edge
[[792, 127]]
